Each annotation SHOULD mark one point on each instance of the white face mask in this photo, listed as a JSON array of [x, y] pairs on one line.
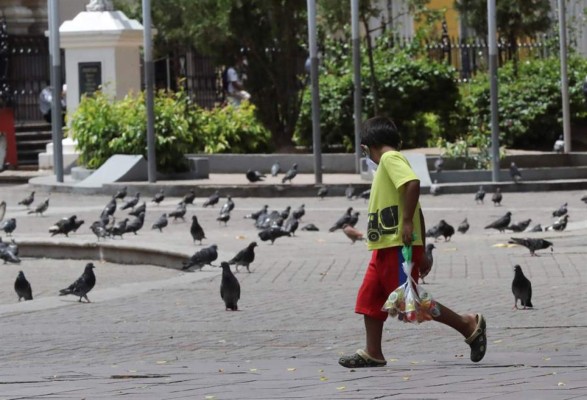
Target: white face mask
[[371, 164]]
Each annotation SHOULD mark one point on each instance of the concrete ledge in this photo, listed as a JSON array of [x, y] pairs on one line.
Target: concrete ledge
[[539, 160], [534, 174], [533, 186]]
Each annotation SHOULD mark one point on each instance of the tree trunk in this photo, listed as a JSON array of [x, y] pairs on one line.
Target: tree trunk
[[374, 84]]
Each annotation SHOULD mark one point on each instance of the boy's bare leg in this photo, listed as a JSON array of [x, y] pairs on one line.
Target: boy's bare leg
[[374, 332], [465, 323]]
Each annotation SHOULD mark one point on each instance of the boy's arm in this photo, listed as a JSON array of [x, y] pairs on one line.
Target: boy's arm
[[411, 193]]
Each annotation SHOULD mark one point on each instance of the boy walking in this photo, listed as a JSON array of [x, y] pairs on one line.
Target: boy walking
[[395, 220]]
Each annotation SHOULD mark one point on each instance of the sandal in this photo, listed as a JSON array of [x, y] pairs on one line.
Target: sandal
[[361, 360], [478, 340]]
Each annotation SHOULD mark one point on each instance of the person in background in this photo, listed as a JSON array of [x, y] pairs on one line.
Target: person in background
[[232, 81]]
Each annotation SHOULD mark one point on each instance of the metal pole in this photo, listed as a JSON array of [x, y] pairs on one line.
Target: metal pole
[[562, 26], [56, 109], [149, 91], [316, 139], [357, 114], [168, 68], [492, 39]]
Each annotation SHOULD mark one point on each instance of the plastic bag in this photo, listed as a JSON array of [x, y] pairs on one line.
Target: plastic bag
[[410, 302]]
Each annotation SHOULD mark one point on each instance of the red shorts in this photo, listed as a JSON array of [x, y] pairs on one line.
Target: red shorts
[[384, 274]]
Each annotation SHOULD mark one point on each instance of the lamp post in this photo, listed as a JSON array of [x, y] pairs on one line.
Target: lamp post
[[56, 109], [492, 39], [357, 81], [315, 91], [562, 26], [149, 91]]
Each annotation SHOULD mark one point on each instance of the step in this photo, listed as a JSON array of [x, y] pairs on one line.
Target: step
[[32, 144], [36, 135], [33, 127]]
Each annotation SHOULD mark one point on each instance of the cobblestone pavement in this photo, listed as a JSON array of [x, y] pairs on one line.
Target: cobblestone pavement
[[170, 338]]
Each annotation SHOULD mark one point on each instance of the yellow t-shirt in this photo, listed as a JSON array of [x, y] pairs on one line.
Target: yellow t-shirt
[[386, 202]]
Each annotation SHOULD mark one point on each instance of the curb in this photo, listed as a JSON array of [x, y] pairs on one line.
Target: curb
[[510, 187]]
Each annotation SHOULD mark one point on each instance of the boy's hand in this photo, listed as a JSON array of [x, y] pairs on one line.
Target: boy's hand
[[407, 232]]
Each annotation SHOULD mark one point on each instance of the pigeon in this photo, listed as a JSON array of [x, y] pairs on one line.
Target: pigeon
[[257, 214], [230, 289], [120, 228], [244, 257], [212, 200], [138, 210], [430, 258], [300, 212], [121, 194], [502, 223], [354, 218], [27, 201], [82, 286], [202, 257], [2, 209], [497, 197], [272, 234], [285, 213], [159, 197], [345, 219], [583, 199], [310, 228], [365, 194], [290, 174], [536, 228], [291, 225], [136, 224], [189, 197], [225, 217], [349, 192], [8, 226], [77, 224], [99, 230], [196, 230], [131, 203], [433, 232], [255, 176], [160, 223], [522, 289], [179, 212], [515, 173], [8, 256], [562, 210], [22, 287], [435, 188], [559, 145], [519, 226], [266, 221], [110, 208], [463, 226], [446, 230], [352, 233], [228, 206], [560, 225], [322, 192], [41, 208], [64, 226], [480, 195], [532, 244], [275, 169]]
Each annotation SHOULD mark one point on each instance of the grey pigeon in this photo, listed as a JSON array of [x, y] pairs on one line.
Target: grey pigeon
[[131, 203], [365, 194], [8, 256], [41, 208], [562, 210], [515, 173], [272, 219], [522, 289], [446, 230], [212, 200], [430, 258], [497, 197], [22, 287], [519, 226], [223, 218], [120, 228], [285, 213], [352, 233], [433, 232], [275, 169], [257, 214], [583, 199], [136, 224], [310, 228], [160, 223], [354, 220], [272, 234], [8, 226], [99, 229], [27, 201], [255, 176], [77, 224], [202, 257], [179, 212], [189, 197], [2, 209], [228, 206], [64, 226], [536, 228], [110, 208], [349, 192], [463, 226], [230, 289], [159, 197], [290, 174], [438, 164], [345, 219], [244, 257], [300, 212], [502, 223], [196, 230], [559, 145], [82, 286], [532, 244], [291, 225], [560, 225], [480, 195], [138, 210], [322, 192], [435, 188], [121, 194]]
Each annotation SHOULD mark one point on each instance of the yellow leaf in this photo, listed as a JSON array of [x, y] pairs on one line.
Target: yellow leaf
[[546, 358], [500, 245], [414, 362], [562, 384], [161, 362], [210, 397], [341, 388], [393, 359], [323, 378], [406, 378], [291, 369], [241, 237], [497, 341], [320, 370], [253, 370]]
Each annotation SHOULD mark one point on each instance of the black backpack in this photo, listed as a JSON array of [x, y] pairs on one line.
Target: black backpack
[[224, 77]]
